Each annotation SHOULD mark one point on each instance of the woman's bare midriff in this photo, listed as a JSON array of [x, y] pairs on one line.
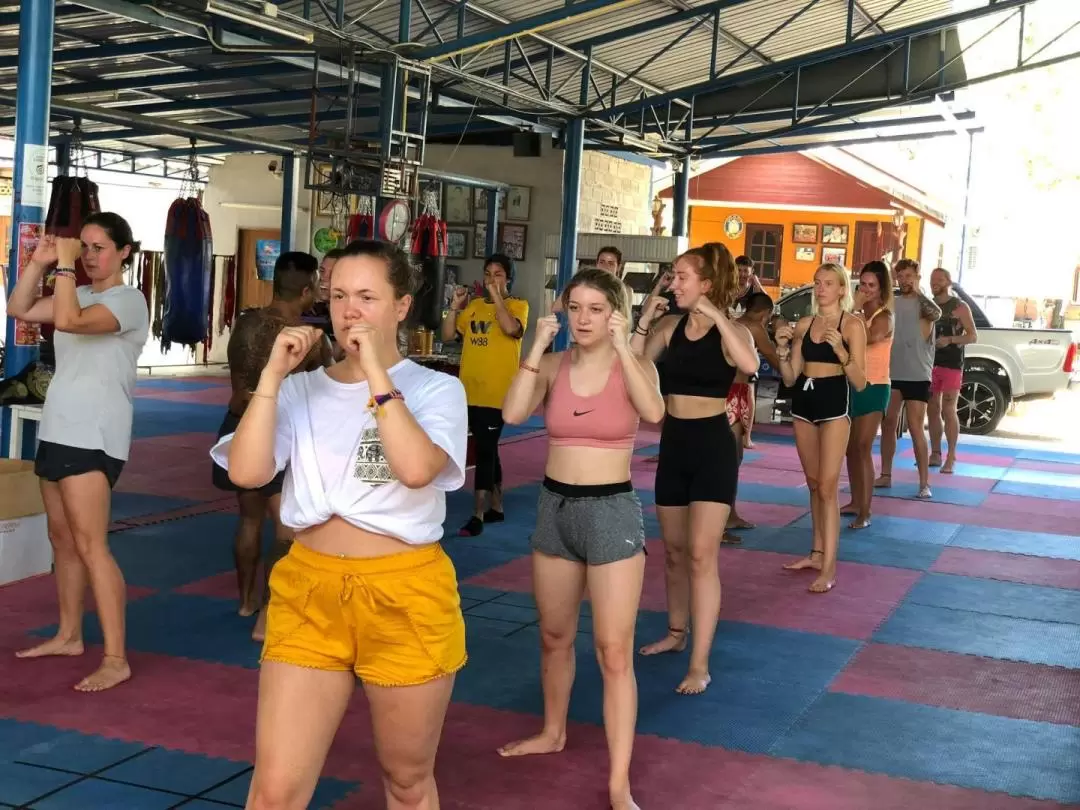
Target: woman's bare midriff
[[820, 371], [588, 466], [686, 407], [340, 538]]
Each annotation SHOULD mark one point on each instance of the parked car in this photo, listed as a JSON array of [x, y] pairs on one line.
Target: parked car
[[1007, 364]]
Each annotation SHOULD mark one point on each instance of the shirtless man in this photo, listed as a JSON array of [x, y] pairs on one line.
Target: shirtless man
[[250, 343], [758, 312]]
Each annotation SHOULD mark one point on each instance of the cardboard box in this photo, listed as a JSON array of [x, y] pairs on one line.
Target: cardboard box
[[24, 536]]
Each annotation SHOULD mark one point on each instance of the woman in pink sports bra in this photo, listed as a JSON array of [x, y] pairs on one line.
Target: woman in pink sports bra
[[589, 530]]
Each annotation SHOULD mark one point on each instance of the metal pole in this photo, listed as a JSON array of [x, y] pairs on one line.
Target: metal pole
[[31, 175], [147, 123], [967, 202], [290, 198], [491, 241], [680, 209], [575, 150]]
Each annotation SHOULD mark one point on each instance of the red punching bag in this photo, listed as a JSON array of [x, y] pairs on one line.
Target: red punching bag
[[429, 249], [73, 200]]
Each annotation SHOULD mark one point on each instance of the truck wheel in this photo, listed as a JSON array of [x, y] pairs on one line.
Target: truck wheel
[[982, 404]]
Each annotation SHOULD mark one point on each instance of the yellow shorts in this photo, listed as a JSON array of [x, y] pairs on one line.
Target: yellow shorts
[[394, 621]]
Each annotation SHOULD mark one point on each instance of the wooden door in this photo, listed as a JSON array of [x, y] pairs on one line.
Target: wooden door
[[250, 290], [875, 241]]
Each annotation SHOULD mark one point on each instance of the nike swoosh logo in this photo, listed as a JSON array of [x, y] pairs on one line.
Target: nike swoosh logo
[[582, 413]]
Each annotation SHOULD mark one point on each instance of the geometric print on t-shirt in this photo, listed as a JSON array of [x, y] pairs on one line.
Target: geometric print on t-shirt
[[371, 465]]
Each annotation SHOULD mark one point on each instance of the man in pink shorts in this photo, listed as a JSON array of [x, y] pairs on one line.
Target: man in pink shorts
[[954, 330]]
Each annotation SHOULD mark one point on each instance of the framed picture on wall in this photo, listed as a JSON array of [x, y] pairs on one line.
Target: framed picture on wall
[[805, 254], [512, 240], [480, 196], [518, 203], [457, 207], [804, 234], [457, 243], [834, 255], [479, 240], [834, 234]]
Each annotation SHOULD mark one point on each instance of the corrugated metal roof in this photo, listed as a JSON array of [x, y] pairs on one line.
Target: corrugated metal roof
[[646, 60]]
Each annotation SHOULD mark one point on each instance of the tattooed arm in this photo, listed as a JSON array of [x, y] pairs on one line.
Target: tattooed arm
[[928, 310]]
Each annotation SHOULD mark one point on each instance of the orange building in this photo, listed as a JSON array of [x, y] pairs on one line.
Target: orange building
[[790, 212]]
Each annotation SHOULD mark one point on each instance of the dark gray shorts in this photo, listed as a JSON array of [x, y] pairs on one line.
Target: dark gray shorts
[[589, 524]]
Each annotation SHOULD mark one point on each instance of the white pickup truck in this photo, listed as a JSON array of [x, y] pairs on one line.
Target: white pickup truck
[[1007, 364]]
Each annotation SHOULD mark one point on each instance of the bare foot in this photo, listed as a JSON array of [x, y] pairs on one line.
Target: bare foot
[[674, 641], [823, 584], [694, 683], [883, 481], [811, 560], [248, 609], [54, 646], [622, 800], [924, 493], [849, 509], [736, 522], [729, 539], [748, 443], [540, 744], [112, 672], [259, 633], [934, 460], [949, 466], [859, 523]]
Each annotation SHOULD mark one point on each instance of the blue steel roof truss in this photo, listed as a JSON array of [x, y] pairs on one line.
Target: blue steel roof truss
[[523, 73]]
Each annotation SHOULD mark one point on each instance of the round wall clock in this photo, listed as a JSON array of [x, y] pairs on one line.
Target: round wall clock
[[394, 221]]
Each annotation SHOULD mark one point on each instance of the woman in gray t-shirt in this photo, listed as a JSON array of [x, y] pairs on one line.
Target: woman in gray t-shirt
[[85, 430]]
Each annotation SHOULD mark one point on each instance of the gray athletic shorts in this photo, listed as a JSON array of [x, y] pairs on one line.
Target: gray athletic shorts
[[589, 524]]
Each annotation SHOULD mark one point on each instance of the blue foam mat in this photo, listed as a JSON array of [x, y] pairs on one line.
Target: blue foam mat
[[982, 634], [1065, 478], [942, 494], [763, 678], [862, 546], [896, 528], [925, 743], [175, 553], [1049, 455], [127, 505], [1045, 491], [197, 627], [1000, 598], [156, 417], [1033, 544], [178, 384]]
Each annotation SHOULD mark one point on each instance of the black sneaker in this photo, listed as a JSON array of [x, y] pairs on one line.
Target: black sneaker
[[491, 516], [473, 526]]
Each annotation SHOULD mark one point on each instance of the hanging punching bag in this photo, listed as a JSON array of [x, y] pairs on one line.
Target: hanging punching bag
[[189, 265], [429, 247], [72, 201]]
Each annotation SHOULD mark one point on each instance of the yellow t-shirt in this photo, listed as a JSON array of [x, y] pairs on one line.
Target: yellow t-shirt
[[489, 357]]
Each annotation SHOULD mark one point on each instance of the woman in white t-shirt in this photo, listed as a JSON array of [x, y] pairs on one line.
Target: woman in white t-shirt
[[371, 446], [85, 430]]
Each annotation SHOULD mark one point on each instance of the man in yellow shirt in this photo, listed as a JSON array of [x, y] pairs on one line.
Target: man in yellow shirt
[[491, 329]]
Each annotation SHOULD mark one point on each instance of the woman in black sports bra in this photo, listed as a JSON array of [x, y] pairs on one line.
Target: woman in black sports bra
[[698, 467], [819, 357]]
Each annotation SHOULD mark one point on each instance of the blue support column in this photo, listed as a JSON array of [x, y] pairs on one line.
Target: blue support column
[[680, 209], [967, 204], [31, 175], [290, 197], [491, 244], [575, 151]]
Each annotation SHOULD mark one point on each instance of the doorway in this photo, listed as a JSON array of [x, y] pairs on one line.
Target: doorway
[[251, 291]]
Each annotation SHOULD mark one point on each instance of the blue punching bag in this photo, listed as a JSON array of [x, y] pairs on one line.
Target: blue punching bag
[[189, 265]]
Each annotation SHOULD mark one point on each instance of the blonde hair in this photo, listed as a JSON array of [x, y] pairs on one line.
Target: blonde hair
[[718, 268], [844, 277], [612, 287]]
